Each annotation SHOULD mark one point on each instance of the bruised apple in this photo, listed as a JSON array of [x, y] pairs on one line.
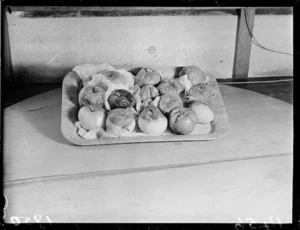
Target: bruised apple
[[169, 86], [194, 74], [196, 90], [120, 120], [91, 95], [148, 93], [91, 117], [152, 121], [168, 102], [121, 98], [147, 76], [182, 120], [203, 112]]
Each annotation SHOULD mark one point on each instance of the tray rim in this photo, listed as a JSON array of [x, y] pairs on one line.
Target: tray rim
[[67, 125]]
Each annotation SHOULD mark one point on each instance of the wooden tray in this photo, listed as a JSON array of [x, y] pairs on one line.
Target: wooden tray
[[70, 107]]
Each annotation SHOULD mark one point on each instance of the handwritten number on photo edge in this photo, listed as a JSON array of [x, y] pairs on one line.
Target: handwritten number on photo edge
[[5, 206], [279, 222], [252, 222], [48, 219], [15, 220], [4, 214], [26, 220], [239, 226], [37, 218], [266, 226]]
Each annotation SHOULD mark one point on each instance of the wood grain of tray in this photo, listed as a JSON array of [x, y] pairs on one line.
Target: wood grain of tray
[[70, 107]]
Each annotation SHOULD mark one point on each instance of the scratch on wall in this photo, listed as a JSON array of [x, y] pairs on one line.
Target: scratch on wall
[[52, 60], [64, 57]]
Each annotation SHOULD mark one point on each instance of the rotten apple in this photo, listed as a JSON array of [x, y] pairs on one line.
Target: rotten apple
[[168, 102], [121, 98], [147, 76]]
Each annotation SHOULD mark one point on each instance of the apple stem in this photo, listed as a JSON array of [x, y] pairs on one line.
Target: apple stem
[[91, 108]]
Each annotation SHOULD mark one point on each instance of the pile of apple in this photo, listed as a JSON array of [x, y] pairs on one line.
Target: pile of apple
[[116, 102]]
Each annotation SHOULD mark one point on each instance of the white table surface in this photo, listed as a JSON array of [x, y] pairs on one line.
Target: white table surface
[[246, 174]]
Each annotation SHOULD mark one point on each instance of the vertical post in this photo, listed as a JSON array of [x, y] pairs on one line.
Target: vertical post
[[7, 74], [243, 43]]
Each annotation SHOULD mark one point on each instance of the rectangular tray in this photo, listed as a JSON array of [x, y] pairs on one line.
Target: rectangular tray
[[70, 107]]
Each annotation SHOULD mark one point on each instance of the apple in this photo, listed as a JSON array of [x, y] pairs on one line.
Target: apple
[[121, 98], [203, 112], [152, 121], [182, 120], [91, 95], [168, 102], [194, 74], [91, 117], [147, 76], [119, 120], [148, 93], [170, 86], [196, 90]]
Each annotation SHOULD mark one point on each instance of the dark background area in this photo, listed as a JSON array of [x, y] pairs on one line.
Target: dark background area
[[219, 3], [152, 12]]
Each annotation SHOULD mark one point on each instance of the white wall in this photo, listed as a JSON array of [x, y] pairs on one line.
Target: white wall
[[274, 32], [45, 49]]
